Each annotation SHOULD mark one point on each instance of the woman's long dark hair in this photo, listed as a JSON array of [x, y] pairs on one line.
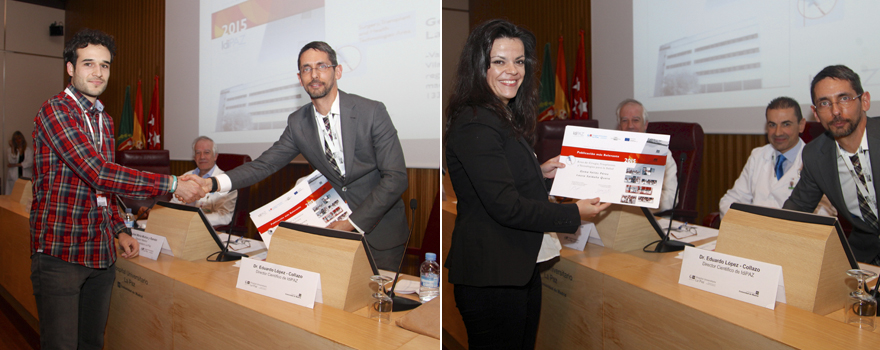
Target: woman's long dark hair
[[470, 88]]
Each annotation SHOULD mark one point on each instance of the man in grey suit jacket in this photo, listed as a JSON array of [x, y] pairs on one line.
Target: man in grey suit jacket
[[839, 163], [350, 140]]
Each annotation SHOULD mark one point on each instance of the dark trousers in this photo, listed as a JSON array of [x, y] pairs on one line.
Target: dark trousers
[[73, 302], [501, 317]]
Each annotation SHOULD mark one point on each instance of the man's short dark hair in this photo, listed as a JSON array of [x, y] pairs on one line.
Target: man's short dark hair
[[85, 37], [320, 46], [840, 72], [783, 103]]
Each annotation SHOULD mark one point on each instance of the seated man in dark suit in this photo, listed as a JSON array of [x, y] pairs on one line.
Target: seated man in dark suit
[[839, 163]]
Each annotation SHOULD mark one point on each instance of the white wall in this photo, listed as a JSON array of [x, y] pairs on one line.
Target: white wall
[[33, 68]]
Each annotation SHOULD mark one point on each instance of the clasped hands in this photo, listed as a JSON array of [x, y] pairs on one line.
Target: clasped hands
[[191, 188]]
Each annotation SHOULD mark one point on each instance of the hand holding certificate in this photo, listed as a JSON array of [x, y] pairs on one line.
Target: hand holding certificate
[[312, 202], [615, 166]]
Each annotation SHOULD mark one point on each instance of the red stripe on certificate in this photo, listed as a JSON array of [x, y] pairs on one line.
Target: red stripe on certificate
[[296, 208], [613, 156]]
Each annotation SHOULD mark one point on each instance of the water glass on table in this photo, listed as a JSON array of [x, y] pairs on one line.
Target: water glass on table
[[381, 307], [860, 307]]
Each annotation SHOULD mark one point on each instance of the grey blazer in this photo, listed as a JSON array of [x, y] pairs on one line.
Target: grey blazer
[[819, 176], [375, 170]]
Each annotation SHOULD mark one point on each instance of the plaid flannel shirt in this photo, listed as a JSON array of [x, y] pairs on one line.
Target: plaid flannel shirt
[[66, 221]]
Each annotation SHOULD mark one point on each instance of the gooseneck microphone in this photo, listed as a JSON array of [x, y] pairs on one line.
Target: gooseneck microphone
[[666, 245], [400, 303]]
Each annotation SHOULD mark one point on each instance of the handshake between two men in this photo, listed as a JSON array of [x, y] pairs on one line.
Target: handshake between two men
[[192, 187]]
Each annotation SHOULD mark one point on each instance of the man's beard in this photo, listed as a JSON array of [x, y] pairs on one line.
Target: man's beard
[[846, 130], [320, 93]]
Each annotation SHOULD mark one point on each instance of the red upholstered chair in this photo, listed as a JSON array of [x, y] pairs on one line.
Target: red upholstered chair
[[686, 138], [431, 239], [549, 136], [239, 223], [154, 161], [712, 220], [811, 131]]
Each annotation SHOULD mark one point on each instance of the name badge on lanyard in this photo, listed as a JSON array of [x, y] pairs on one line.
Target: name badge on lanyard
[[865, 189], [98, 140]]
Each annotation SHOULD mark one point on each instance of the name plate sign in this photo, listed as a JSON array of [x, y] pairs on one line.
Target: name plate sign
[[151, 245], [281, 282], [742, 279], [578, 240]]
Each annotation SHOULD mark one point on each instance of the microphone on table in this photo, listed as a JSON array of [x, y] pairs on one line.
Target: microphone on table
[[225, 254], [666, 245], [400, 303]]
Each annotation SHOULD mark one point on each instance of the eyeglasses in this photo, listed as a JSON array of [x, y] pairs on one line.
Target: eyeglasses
[[684, 230], [842, 101], [323, 68], [239, 243]]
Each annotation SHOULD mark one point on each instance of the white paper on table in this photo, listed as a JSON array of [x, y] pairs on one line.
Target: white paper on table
[[703, 232], [261, 257], [705, 246], [752, 281], [617, 166], [244, 246], [403, 286], [406, 287], [312, 202]]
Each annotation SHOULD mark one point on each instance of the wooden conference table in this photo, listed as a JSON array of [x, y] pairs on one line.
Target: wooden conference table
[[604, 299], [171, 303]]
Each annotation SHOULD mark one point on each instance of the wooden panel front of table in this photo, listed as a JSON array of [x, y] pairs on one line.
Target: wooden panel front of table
[[15, 258], [605, 299], [171, 303], [177, 304], [613, 300]]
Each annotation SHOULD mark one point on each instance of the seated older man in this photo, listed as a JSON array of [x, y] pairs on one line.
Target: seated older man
[[218, 206], [632, 116]]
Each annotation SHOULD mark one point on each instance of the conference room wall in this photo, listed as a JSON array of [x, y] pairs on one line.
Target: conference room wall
[[32, 65], [724, 155]]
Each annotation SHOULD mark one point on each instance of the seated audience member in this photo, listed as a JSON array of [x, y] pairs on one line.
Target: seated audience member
[[774, 169], [20, 160], [838, 163], [632, 116], [218, 206]]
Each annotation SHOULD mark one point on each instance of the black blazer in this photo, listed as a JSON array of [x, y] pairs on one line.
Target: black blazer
[[503, 207], [819, 176]]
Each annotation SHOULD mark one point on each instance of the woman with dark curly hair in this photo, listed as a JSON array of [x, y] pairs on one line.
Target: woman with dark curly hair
[[503, 206]]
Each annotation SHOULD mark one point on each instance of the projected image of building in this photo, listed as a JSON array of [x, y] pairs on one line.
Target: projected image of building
[[722, 60]]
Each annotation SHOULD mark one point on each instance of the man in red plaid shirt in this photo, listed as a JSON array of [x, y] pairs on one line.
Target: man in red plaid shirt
[[74, 217]]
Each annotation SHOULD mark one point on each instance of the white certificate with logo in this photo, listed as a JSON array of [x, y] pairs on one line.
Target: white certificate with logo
[[312, 202], [617, 166]]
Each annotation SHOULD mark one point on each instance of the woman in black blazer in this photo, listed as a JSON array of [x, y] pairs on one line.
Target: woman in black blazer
[[503, 207]]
